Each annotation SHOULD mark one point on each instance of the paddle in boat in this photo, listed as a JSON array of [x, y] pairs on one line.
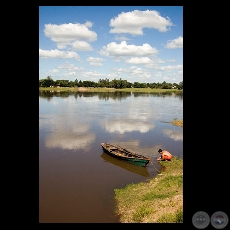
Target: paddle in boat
[[125, 155]]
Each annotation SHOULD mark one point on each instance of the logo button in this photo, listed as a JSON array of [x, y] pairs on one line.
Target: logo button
[[219, 220], [201, 220]]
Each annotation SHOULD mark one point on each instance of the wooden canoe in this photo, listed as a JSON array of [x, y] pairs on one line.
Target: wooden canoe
[[125, 155]]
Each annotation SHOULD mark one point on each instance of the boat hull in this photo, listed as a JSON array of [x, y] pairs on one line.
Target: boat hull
[[121, 154]]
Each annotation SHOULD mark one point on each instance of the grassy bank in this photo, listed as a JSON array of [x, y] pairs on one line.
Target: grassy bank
[[92, 89], [177, 122], [158, 201]]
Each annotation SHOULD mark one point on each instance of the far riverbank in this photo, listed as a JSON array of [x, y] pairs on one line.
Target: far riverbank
[[92, 89]]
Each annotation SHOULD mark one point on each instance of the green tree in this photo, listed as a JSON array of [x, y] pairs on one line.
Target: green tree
[[48, 82], [180, 85]]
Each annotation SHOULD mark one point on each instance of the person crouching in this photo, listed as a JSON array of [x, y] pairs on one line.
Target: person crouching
[[165, 155]]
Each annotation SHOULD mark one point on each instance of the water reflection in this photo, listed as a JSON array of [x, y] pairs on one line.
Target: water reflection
[[77, 181], [70, 140], [127, 166], [66, 134], [80, 117], [117, 95], [126, 125], [176, 135]]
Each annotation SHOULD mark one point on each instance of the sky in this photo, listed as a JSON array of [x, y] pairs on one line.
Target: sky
[[135, 43]]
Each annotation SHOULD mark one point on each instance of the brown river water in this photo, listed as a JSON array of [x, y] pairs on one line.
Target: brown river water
[[76, 178]]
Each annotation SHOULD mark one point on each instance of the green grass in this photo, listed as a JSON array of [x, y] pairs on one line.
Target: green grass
[[159, 200], [177, 122], [172, 218]]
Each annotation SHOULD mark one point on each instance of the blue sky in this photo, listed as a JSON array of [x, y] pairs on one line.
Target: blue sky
[[135, 43]]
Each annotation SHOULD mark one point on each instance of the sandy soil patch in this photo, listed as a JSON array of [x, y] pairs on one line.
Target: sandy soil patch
[[81, 89]]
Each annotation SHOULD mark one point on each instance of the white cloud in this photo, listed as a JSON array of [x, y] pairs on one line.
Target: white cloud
[[170, 67], [92, 73], [70, 74], [66, 34], [121, 38], [146, 61], [122, 49], [133, 71], [69, 66], [172, 60], [176, 43], [52, 71], [81, 45], [95, 61], [88, 24], [144, 75], [142, 60], [136, 70], [134, 22], [112, 76], [58, 54]]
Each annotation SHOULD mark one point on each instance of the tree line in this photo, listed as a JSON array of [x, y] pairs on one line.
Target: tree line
[[102, 83]]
